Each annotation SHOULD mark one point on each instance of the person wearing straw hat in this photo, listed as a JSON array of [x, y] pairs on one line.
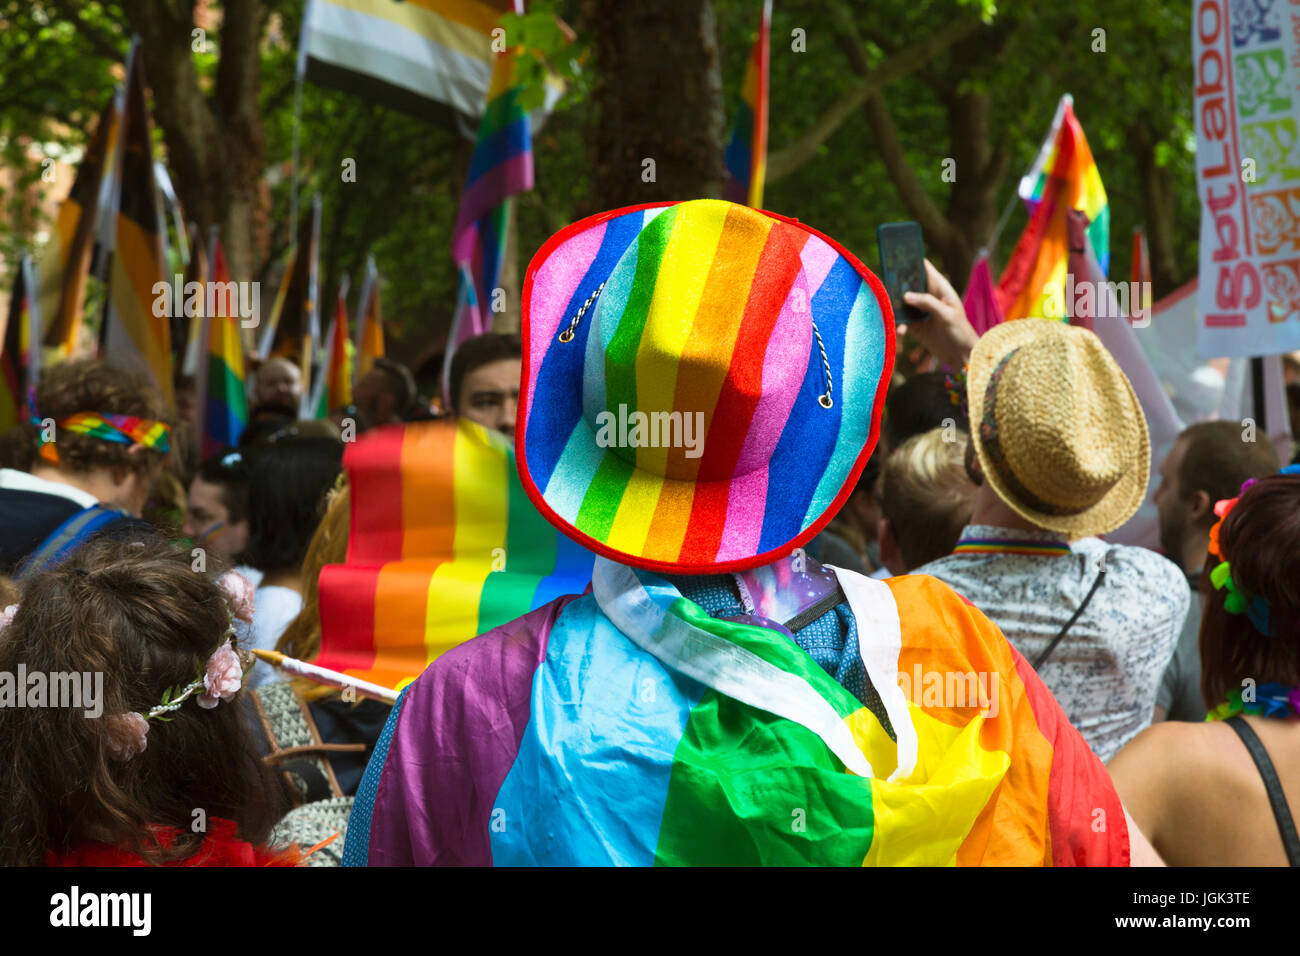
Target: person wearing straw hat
[[702, 385], [1060, 448]]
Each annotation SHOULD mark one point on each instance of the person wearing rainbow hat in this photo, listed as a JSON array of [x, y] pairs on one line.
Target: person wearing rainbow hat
[[702, 385]]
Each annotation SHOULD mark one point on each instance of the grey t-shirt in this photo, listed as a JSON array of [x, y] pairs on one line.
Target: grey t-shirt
[[1180, 687]]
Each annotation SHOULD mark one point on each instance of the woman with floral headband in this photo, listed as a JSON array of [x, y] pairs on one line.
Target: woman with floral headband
[[153, 764], [1224, 792]]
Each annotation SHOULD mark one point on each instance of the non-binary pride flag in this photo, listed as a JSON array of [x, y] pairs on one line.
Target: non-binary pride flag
[[224, 397], [135, 336], [746, 155], [444, 545], [19, 361], [1063, 177], [431, 58]]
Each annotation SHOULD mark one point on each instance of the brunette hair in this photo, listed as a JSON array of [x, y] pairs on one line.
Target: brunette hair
[[288, 482], [475, 353], [1260, 538], [138, 615], [90, 385], [1217, 461]]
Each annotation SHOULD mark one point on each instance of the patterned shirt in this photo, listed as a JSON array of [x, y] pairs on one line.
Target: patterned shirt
[[1106, 671]]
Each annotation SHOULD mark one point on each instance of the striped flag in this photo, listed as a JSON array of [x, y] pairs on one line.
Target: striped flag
[[430, 58], [1064, 177], [334, 386], [746, 155], [1140, 274], [19, 362], [444, 545], [293, 331], [65, 265], [502, 165], [370, 323], [189, 347], [223, 406], [134, 336]]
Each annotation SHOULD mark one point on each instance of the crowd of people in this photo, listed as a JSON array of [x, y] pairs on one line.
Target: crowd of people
[[979, 496]]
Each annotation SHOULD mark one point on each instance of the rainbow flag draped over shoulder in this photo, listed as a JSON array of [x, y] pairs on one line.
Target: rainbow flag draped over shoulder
[[444, 545], [135, 336], [19, 362], [225, 405], [1063, 177], [627, 727], [746, 154]]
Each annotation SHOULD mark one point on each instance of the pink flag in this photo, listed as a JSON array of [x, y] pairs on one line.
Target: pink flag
[[980, 300]]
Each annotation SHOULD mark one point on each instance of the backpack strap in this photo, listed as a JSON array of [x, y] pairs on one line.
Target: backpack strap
[[67, 537]]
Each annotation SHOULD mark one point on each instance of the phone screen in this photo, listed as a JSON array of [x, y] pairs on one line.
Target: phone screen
[[902, 266]]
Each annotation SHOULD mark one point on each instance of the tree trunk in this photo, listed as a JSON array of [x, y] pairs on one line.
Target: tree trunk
[[1157, 211], [658, 101], [215, 155]]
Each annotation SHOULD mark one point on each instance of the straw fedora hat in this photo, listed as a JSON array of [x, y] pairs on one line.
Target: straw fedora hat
[[1059, 432]]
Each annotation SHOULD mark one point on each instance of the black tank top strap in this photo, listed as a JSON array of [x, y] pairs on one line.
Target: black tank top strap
[[1285, 824]]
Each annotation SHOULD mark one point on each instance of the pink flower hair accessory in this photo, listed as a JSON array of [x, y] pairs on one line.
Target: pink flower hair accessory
[[223, 677], [241, 593], [128, 735]]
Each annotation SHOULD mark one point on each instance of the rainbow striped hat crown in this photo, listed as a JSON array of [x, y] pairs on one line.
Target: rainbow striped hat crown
[[702, 383]]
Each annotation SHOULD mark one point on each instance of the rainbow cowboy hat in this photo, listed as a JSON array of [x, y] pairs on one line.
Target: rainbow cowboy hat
[[702, 383]]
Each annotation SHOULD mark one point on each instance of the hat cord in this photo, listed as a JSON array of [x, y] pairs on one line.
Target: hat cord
[[824, 400], [567, 335]]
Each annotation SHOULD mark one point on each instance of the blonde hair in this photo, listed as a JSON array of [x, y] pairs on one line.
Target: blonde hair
[[329, 545], [926, 495]]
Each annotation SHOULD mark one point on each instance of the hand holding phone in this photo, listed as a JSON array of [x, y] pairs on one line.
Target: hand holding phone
[[902, 266]]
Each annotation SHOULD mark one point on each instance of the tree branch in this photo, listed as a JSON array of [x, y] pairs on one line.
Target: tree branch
[[785, 161]]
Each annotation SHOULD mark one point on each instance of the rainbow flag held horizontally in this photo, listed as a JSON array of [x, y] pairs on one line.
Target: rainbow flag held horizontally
[[628, 727], [19, 362], [134, 336], [444, 545], [1063, 177], [746, 155], [225, 407], [370, 323]]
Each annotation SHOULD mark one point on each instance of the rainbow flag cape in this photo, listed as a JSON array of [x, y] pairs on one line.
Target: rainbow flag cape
[[444, 545], [65, 266], [19, 362], [134, 336], [627, 727], [746, 154], [1063, 177], [293, 330], [224, 409], [370, 324], [334, 389], [502, 165]]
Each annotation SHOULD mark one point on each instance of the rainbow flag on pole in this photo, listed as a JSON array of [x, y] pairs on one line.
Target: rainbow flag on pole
[[1063, 177], [746, 155], [293, 331], [627, 727], [444, 545], [502, 165], [19, 361], [134, 335], [370, 323], [224, 407]]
